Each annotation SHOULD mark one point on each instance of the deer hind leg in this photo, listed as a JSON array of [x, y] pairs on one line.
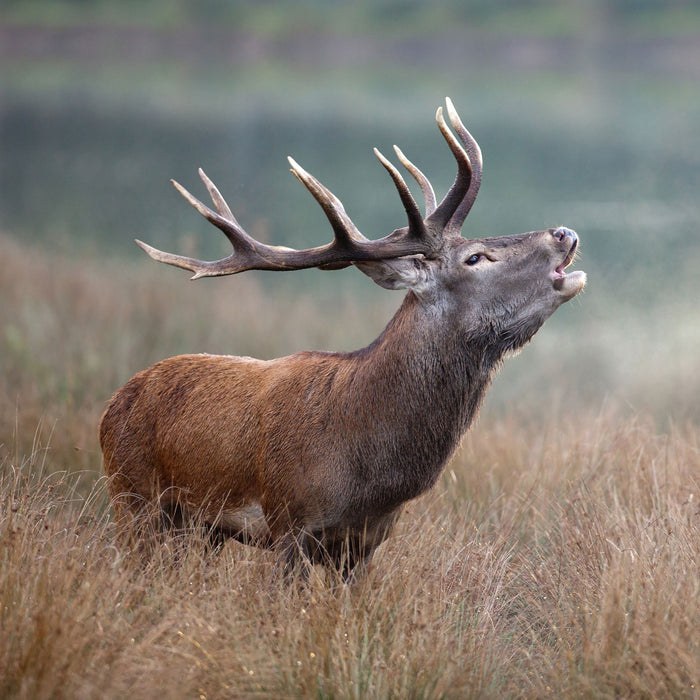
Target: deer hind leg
[[138, 522], [142, 517]]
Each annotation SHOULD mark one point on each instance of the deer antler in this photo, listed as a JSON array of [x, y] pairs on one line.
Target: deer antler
[[423, 236], [449, 215], [477, 166]]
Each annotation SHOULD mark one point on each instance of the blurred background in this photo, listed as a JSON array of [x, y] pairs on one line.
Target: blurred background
[[587, 111]]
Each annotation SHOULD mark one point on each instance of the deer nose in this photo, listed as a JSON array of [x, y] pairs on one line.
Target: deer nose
[[562, 232]]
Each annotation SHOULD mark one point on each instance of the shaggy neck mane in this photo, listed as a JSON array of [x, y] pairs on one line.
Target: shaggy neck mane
[[429, 379]]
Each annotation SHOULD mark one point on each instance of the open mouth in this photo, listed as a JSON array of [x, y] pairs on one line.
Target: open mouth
[[559, 269], [568, 285]]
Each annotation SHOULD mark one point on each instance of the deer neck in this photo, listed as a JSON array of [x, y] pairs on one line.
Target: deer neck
[[425, 381], [442, 368]]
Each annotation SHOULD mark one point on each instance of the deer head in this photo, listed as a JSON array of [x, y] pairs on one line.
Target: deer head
[[315, 453]]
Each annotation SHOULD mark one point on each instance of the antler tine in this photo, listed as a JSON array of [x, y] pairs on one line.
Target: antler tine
[[477, 165], [343, 227], [470, 143], [240, 240], [416, 227], [248, 254], [182, 261], [219, 202], [445, 210], [229, 226], [421, 179]]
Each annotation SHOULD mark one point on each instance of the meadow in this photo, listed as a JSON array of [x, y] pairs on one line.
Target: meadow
[[558, 554], [556, 557]]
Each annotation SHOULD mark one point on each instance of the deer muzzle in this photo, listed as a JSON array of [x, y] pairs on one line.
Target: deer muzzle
[[568, 284]]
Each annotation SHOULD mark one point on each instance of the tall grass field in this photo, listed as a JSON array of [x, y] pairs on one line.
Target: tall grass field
[[558, 556]]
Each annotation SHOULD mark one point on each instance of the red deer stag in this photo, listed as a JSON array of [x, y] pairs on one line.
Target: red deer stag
[[314, 454]]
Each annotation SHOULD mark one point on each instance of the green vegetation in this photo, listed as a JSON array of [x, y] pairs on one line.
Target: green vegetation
[[389, 17]]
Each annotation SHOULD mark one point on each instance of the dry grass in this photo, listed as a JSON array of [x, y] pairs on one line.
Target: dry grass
[[562, 566], [557, 557]]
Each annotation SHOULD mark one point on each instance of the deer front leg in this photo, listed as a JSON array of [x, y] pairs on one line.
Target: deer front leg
[[352, 553], [292, 547]]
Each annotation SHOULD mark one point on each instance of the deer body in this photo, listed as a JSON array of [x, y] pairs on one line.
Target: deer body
[[300, 436], [316, 452]]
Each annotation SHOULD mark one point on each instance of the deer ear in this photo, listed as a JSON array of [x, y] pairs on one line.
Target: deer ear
[[398, 273]]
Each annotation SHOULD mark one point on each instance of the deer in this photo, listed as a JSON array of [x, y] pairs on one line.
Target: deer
[[314, 455]]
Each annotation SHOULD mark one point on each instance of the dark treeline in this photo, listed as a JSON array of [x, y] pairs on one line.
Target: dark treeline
[[395, 16]]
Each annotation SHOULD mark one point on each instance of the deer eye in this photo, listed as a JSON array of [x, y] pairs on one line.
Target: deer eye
[[474, 259]]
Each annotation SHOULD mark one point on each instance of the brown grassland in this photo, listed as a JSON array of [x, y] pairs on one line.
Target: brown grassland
[[557, 557]]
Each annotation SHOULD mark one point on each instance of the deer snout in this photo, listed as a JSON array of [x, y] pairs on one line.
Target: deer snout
[[562, 233]]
